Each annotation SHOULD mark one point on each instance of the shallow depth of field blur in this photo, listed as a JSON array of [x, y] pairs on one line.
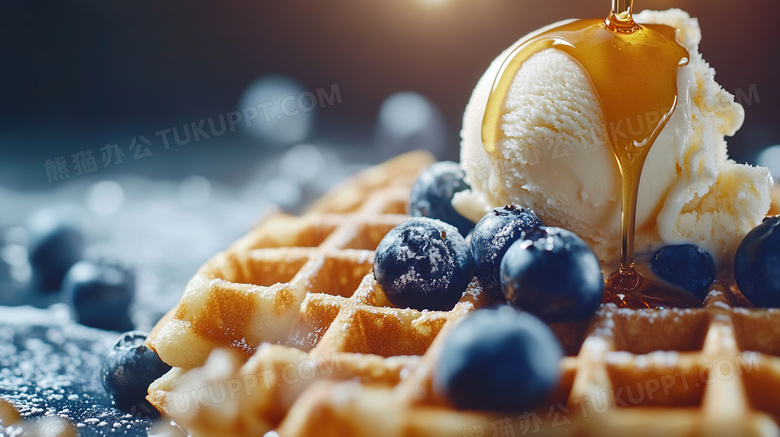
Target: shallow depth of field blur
[[171, 128], [78, 77], [160, 132]]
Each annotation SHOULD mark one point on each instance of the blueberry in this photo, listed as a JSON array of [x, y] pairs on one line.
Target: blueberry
[[499, 360], [492, 236], [99, 294], [685, 265], [423, 264], [553, 274], [55, 244], [129, 368], [432, 195], [757, 264]]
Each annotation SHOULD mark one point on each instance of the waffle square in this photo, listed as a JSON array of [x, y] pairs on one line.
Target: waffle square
[[287, 330]]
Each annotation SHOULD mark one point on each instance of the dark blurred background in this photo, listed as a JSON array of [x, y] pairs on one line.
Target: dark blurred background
[[79, 75], [162, 131]]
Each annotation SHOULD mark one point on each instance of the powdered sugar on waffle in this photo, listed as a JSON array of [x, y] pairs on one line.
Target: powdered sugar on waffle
[[617, 348]]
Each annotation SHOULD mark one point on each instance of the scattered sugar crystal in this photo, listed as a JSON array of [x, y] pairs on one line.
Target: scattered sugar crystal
[[666, 358], [619, 357]]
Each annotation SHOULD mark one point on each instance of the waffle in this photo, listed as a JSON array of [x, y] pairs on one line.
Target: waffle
[[12, 424], [287, 331]]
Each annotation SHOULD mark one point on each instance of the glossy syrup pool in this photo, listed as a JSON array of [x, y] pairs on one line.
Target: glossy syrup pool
[[642, 290]]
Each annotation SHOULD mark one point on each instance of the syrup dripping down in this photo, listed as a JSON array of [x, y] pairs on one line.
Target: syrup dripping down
[[633, 70]]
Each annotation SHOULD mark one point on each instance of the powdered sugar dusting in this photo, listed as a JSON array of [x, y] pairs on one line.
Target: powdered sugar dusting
[[42, 374]]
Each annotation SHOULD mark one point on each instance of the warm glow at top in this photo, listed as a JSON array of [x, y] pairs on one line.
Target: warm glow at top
[[434, 3]]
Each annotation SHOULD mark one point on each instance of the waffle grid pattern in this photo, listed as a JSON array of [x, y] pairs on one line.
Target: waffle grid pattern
[[287, 331]]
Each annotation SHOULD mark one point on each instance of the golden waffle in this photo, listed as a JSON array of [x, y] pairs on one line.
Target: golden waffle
[[297, 337], [251, 293]]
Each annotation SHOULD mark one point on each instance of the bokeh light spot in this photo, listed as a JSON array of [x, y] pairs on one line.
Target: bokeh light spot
[[194, 191], [770, 158], [276, 110], [105, 198]]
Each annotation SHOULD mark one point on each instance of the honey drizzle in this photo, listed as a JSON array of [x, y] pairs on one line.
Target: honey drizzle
[[633, 70], [620, 18]]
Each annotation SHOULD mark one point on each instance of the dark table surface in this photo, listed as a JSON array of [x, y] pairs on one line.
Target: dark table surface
[[165, 230]]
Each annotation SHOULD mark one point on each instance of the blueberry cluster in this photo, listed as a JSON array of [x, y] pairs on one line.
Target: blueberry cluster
[[504, 359], [500, 359], [426, 264], [99, 292], [755, 265]]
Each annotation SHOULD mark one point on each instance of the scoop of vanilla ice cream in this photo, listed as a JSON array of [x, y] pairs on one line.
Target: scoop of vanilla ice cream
[[554, 156]]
